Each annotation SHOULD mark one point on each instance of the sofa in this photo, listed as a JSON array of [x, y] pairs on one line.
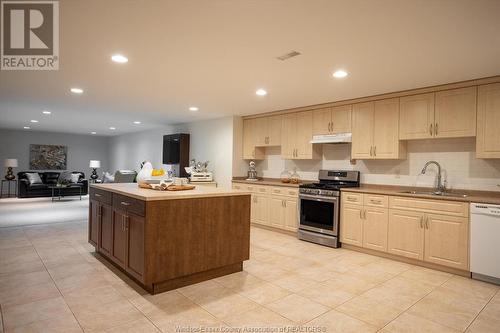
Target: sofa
[[27, 190]]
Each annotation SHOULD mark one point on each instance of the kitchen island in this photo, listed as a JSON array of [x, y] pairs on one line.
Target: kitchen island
[[168, 239]]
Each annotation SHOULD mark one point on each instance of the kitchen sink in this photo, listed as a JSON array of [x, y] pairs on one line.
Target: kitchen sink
[[436, 193]]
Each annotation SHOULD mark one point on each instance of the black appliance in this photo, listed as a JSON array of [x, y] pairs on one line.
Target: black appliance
[[176, 153], [319, 207]]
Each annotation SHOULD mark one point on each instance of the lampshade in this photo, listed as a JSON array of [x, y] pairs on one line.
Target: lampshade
[[95, 164], [10, 163]]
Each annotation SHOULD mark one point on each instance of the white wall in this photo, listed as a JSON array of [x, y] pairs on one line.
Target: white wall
[[127, 151], [81, 148], [456, 156]]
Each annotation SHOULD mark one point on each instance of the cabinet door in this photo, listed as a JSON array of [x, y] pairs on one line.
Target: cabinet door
[[386, 143], [375, 229], [341, 119], [135, 245], [274, 131], [416, 116], [304, 135], [261, 130], [351, 225], [249, 138], [276, 211], [94, 218], [488, 118], [406, 234], [291, 216], [455, 114], [322, 119], [362, 130], [106, 237], [288, 136], [260, 209], [118, 254], [446, 241]]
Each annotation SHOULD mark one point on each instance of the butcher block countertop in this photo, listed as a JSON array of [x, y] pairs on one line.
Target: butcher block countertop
[[269, 181], [489, 197], [133, 190]]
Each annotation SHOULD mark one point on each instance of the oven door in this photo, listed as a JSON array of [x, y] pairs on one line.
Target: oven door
[[319, 214]]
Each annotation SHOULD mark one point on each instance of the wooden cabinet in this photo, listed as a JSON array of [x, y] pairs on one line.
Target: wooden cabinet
[[375, 228], [488, 118], [375, 128], [94, 220], [268, 131], [283, 212], [332, 120], [119, 249], [250, 149], [446, 241], [260, 209], [134, 226], [106, 230], [351, 228], [296, 137], [406, 234], [444, 114], [291, 214]]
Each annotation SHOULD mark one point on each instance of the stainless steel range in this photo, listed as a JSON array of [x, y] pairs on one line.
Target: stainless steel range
[[319, 208]]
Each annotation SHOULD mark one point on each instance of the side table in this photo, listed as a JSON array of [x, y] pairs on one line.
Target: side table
[[9, 192]]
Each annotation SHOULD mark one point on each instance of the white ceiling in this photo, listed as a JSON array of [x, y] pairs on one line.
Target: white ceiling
[[215, 54]]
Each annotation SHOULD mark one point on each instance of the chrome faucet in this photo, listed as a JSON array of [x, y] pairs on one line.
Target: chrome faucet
[[440, 186]]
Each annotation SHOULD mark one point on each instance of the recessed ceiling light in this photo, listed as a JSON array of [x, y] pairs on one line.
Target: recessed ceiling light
[[76, 90], [340, 74], [26, 127], [46, 112], [261, 92], [33, 121], [193, 108], [119, 58], [112, 128], [93, 133], [137, 122]]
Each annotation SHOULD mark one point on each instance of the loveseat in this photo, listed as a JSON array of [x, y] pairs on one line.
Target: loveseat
[[29, 190]]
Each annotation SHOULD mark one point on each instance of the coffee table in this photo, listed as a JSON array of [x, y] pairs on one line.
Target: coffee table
[[57, 190]]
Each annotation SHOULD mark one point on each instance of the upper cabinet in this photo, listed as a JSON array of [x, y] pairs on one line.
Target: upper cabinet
[[375, 127], [250, 150], [296, 135], [444, 114], [332, 120], [488, 118], [268, 131]]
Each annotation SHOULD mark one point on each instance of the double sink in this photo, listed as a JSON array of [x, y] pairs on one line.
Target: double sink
[[437, 193]]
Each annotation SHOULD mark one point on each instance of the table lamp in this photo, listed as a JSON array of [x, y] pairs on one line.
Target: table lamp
[[9, 164], [94, 165]]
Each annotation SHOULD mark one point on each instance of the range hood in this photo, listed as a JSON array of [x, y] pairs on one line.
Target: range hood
[[332, 138]]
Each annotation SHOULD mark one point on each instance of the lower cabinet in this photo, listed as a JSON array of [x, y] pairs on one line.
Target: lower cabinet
[[260, 209], [375, 228], [106, 237], [406, 236], [118, 254], [94, 222], [351, 229]]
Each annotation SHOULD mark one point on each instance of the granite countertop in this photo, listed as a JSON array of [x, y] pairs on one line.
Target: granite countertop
[[134, 191], [490, 197], [269, 181]]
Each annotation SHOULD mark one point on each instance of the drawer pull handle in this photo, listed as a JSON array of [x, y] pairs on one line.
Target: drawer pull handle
[[97, 195], [124, 203], [351, 199], [276, 191], [376, 201]]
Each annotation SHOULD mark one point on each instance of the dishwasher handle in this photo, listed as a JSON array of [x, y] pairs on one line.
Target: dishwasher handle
[[484, 209]]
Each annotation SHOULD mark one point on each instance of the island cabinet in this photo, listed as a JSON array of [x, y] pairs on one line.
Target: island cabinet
[[168, 243]]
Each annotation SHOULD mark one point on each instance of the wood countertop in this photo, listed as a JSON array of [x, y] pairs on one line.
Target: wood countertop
[[133, 190], [489, 197], [269, 182]]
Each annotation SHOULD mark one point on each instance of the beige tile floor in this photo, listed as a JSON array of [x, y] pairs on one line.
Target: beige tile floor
[[51, 281]]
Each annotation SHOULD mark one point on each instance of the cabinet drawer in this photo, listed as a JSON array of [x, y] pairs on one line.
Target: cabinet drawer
[[453, 208], [261, 189], [374, 200], [352, 198], [238, 186], [101, 195], [288, 191], [128, 204]]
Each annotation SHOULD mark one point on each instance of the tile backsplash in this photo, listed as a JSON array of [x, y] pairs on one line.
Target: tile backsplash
[[457, 157]]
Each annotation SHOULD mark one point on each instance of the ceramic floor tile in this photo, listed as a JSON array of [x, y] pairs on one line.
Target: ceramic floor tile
[[351, 283], [17, 255], [139, 326], [435, 278], [226, 304], [64, 271], [202, 290], [93, 296], [21, 267], [293, 282], [17, 295], [172, 319], [258, 317], [297, 308], [485, 324], [77, 282], [9, 282], [264, 292], [336, 322], [60, 324], [370, 311], [24, 314], [472, 288], [148, 304], [238, 280], [326, 294], [412, 324]]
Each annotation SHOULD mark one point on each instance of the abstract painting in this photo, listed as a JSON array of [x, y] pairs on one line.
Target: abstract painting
[[48, 157]]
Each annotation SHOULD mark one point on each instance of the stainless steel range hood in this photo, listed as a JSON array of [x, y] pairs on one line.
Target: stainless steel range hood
[[332, 138]]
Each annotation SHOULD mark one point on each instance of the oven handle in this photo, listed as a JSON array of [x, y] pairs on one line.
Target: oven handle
[[318, 198]]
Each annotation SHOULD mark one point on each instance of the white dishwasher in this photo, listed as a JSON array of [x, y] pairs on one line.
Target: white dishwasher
[[485, 242]]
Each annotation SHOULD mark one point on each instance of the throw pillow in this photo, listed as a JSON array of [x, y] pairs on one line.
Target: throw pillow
[[34, 178], [108, 178], [75, 177], [64, 178]]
